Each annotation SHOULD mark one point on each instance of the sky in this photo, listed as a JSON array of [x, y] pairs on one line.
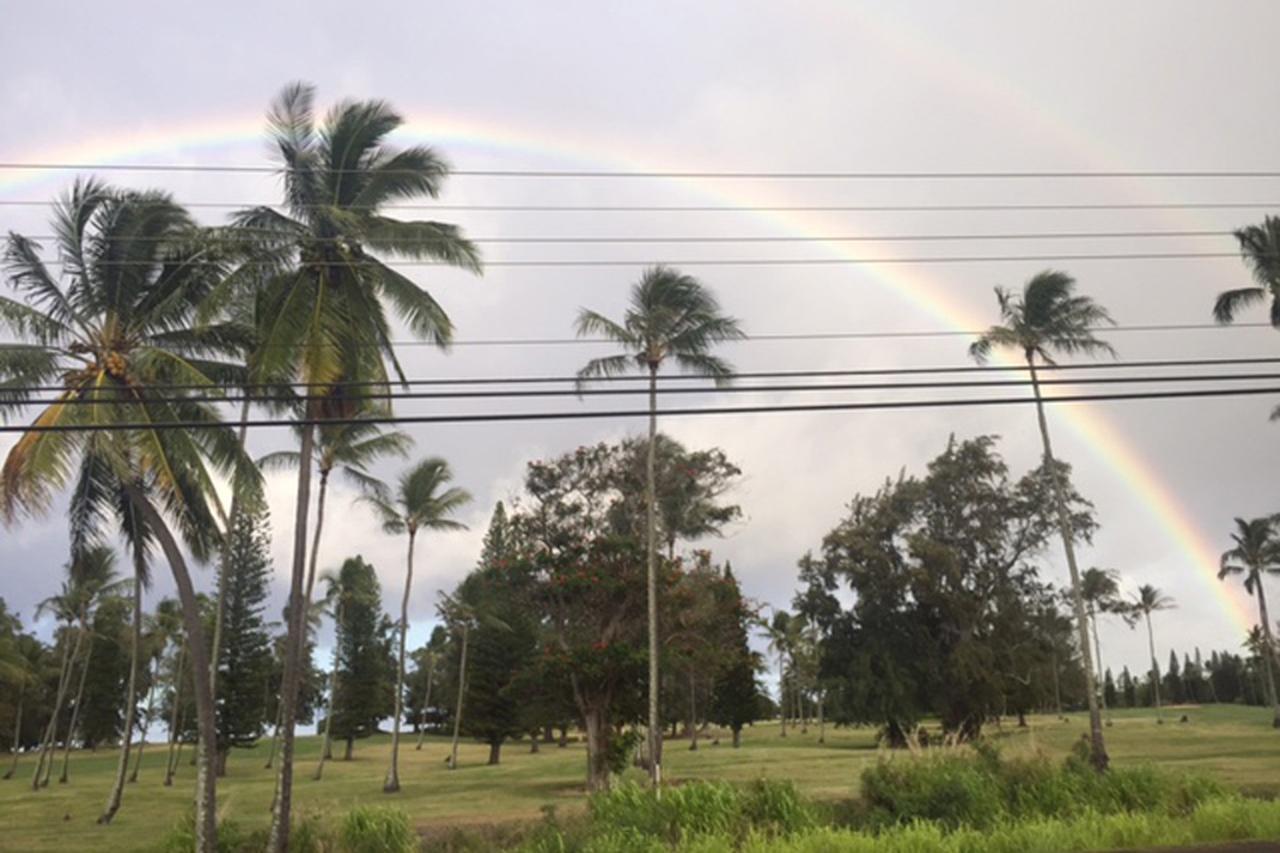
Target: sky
[[734, 87]]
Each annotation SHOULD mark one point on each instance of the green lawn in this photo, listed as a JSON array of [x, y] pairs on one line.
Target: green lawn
[[1235, 745]]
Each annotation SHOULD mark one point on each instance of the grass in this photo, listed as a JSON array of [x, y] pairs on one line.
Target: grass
[[1232, 744]]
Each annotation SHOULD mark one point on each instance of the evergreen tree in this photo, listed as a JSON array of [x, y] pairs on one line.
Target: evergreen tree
[[1109, 694], [366, 670], [101, 720], [1129, 689], [1173, 688], [734, 697], [245, 661]]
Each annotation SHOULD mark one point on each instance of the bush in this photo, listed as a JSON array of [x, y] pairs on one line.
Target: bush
[[371, 829], [982, 789]]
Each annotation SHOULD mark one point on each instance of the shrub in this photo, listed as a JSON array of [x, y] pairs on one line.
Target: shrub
[[371, 829]]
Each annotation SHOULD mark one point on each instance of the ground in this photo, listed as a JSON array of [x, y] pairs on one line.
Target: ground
[[1233, 744]]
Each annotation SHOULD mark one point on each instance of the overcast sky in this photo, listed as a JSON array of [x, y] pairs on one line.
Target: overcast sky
[[740, 86]]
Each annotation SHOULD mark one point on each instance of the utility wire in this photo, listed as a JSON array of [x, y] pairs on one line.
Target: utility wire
[[664, 378], [616, 392], [505, 417], [223, 168], [733, 208]]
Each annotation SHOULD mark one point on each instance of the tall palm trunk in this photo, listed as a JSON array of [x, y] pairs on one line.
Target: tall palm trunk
[[462, 692], [651, 579], [321, 492], [1098, 748], [206, 817], [172, 766], [782, 691], [69, 653], [17, 732], [131, 700], [327, 751], [1155, 667], [426, 700], [75, 711], [393, 772], [1269, 655], [146, 720], [278, 841]]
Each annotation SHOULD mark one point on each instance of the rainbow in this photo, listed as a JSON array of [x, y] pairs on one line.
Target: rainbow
[[1136, 474]]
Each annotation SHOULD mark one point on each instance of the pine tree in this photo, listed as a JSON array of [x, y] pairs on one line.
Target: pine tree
[[734, 697], [245, 663], [1173, 687], [1129, 688], [366, 671], [1109, 694]]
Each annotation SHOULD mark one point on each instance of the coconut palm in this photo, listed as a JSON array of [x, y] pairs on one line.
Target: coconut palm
[[168, 619], [1151, 600], [460, 617], [423, 501], [94, 577], [63, 608], [1101, 591], [1048, 318], [327, 304], [21, 657], [671, 316], [1257, 554], [113, 333]]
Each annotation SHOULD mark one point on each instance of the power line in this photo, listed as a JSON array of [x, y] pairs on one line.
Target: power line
[[730, 208], [505, 417], [693, 377], [632, 391], [247, 237], [754, 262], [223, 168]]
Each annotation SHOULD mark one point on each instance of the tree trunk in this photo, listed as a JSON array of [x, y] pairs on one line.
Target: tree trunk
[[495, 752], [822, 719], [693, 713], [130, 702], [597, 750], [275, 742], [462, 692], [351, 748], [17, 732], [393, 772], [172, 765], [737, 736], [426, 700], [326, 751], [70, 652], [206, 817], [75, 710], [1098, 748], [782, 691], [1269, 655], [651, 580], [1155, 668], [278, 840], [533, 743], [146, 720]]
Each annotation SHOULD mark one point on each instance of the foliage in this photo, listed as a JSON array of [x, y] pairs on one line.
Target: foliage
[[366, 668], [370, 829]]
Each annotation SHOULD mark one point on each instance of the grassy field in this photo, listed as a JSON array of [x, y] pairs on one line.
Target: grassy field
[[1234, 745]]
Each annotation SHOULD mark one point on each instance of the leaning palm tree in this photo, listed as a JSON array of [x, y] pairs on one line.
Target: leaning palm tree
[[670, 316], [1260, 248], [1151, 600], [424, 500], [326, 305], [1101, 591], [114, 335], [1046, 319], [1257, 554], [460, 617], [63, 608]]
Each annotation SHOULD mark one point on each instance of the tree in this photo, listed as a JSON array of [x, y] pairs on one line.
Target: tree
[[245, 664], [421, 682], [1260, 250], [424, 501], [362, 688], [115, 335], [326, 303], [1049, 318], [671, 316], [733, 698], [1100, 589], [1151, 600], [1257, 554]]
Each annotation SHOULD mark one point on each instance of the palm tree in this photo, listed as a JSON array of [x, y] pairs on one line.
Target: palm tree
[[94, 572], [326, 304], [460, 617], [168, 618], [335, 595], [1048, 318], [63, 607], [1151, 600], [424, 500], [1257, 554], [22, 658], [115, 335], [1101, 591], [670, 316]]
